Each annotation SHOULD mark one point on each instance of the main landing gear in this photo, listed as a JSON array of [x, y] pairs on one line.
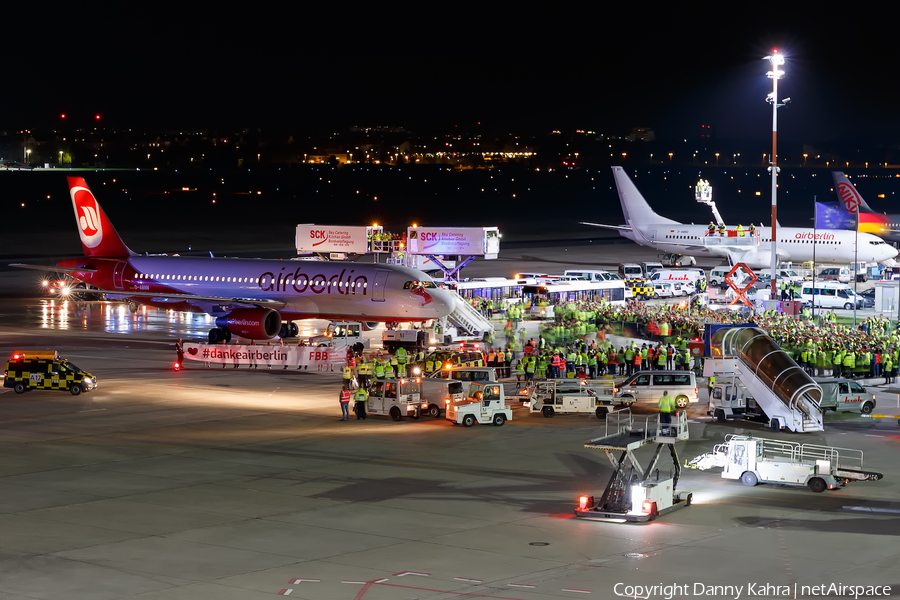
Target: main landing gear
[[219, 335], [289, 330]]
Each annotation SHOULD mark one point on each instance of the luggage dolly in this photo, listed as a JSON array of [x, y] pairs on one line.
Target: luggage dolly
[[635, 494]]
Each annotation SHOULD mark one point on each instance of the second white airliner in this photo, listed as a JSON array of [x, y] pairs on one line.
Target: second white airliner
[[797, 244]]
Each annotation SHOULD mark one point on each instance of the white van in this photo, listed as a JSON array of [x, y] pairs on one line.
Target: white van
[[827, 294], [631, 271], [650, 268], [844, 395], [839, 274], [689, 276], [647, 387], [590, 275]]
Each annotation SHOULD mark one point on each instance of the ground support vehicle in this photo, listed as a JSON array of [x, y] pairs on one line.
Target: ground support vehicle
[[464, 375], [729, 399], [340, 333], [45, 370], [671, 259], [453, 356], [783, 390], [486, 403], [567, 396], [759, 460], [844, 395], [437, 393], [411, 339], [635, 493], [639, 288], [395, 397]]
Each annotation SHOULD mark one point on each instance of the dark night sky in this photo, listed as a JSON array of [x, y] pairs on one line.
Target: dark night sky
[[525, 65]]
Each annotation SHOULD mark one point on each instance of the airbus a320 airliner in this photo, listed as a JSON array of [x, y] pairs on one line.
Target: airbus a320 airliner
[[251, 298], [797, 244]]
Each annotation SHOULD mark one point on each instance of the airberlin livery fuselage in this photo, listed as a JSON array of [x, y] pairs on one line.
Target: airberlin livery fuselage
[[249, 297], [331, 290]]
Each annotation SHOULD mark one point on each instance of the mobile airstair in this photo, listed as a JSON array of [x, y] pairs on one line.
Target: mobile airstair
[[635, 493], [463, 323], [788, 396]]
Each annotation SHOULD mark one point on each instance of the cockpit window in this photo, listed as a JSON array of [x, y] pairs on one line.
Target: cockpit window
[[411, 285]]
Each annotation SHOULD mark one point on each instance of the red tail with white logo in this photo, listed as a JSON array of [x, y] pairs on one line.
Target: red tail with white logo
[[98, 236]]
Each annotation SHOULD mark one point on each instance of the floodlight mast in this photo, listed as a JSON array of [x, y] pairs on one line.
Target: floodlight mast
[[775, 74]]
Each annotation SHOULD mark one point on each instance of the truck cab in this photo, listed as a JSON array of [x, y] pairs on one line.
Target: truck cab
[[395, 397], [572, 397], [486, 403], [730, 400]]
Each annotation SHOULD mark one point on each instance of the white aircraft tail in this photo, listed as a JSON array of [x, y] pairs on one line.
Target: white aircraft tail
[[636, 210]]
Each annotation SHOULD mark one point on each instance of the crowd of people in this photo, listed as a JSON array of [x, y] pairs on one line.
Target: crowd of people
[[821, 345]]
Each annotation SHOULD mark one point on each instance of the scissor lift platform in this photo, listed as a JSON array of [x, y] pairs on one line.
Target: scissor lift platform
[[633, 493]]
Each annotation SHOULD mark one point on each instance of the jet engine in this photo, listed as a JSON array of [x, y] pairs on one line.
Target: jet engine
[[252, 323]]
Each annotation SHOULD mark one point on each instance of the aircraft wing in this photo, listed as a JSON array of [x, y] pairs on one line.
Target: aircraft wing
[[616, 227], [53, 268], [261, 302]]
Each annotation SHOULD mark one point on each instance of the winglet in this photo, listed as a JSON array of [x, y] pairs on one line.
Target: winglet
[[98, 236]]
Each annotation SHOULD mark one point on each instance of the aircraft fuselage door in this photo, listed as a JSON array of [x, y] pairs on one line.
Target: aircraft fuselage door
[[378, 288], [117, 275]]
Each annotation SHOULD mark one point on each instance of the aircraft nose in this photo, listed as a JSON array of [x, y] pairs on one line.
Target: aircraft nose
[[443, 303]]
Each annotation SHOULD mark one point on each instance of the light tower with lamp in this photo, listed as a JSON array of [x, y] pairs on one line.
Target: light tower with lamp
[[775, 74]]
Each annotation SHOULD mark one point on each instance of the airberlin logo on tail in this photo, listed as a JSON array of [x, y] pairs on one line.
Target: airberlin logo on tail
[[849, 196], [88, 214]]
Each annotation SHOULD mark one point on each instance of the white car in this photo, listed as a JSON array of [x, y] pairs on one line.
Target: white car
[[663, 290]]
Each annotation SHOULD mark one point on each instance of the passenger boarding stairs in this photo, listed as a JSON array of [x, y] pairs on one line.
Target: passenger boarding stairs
[[464, 322], [788, 396]]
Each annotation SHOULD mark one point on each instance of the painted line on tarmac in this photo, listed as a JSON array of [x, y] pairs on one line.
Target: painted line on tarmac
[[421, 589], [887, 511]]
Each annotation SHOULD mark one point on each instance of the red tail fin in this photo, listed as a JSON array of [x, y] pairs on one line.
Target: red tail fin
[[98, 236]]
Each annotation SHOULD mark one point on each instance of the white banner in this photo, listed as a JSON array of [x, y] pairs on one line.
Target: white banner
[[243, 354], [330, 238]]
